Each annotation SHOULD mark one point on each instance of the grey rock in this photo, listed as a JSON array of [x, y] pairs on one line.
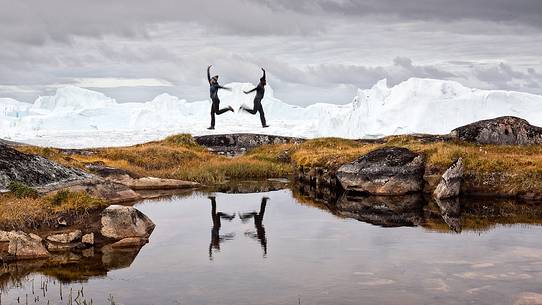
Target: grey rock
[[66, 237], [450, 182], [234, 144], [119, 222], [385, 171], [507, 130], [33, 170]]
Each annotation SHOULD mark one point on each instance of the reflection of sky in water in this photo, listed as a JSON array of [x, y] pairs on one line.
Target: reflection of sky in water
[[317, 258]]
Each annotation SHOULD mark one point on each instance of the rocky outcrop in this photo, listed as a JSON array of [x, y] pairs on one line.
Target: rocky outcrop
[[233, 144], [385, 171], [120, 222], [507, 130], [450, 182], [33, 170]]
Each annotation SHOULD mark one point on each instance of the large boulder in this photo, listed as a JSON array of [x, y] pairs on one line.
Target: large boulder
[[507, 130], [450, 183], [385, 171], [119, 222]]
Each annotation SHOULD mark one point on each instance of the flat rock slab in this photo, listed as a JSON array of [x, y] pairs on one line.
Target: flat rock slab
[[66, 237], [130, 242], [234, 144], [120, 222], [151, 183], [385, 172], [507, 130]]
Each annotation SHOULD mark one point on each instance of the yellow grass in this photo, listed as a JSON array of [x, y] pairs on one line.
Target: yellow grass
[[18, 213]]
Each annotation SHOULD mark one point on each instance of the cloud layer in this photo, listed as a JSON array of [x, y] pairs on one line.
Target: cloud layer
[[315, 51]]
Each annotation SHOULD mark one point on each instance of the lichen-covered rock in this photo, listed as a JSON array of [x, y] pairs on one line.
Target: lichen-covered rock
[[450, 182], [385, 171], [239, 143], [66, 237], [507, 130], [120, 222], [26, 246]]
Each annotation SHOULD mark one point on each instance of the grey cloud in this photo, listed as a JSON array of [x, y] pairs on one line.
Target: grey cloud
[[520, 11]]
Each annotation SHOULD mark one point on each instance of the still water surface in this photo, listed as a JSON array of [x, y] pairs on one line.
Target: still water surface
[[270, 248]]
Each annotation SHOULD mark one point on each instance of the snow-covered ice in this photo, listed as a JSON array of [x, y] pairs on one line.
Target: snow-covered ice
[[76, 117]]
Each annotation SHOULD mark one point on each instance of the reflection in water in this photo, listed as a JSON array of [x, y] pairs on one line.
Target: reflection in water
[[324, 253], [258, 224], [216, 238], [451, 215], [259, 234]]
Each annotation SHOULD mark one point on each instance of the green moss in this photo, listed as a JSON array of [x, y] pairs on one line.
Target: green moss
[[21, 190]]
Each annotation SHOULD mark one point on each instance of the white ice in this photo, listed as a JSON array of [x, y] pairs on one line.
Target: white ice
[[76, 117]]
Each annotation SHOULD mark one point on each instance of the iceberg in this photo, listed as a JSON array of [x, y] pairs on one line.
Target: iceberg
[[76, 117]]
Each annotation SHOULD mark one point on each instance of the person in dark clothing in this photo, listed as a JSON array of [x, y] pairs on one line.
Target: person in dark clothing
[[260, 91], [215, 107]]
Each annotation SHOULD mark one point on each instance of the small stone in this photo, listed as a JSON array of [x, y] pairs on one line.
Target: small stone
[[88, 239], [450, 183]]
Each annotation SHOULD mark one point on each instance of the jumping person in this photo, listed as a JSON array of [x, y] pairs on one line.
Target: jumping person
[[260, 91], [214, 86]]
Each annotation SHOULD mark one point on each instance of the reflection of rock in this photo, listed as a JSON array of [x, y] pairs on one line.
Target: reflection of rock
[[118, 258], [387, 211], [66, 237], [506, 130], [130, 242], [450, 183], [528, 298], [119, 222], [450, 210], [385, 171], [26, 246]]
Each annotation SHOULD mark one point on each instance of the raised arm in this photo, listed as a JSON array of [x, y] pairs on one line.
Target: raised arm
[[209, 73], [263, 73], [248, 92]]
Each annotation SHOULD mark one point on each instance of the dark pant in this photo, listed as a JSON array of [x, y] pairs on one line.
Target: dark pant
[[257, 108], [215, 109]]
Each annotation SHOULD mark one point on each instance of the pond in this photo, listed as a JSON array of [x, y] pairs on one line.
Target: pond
[[279, 247]]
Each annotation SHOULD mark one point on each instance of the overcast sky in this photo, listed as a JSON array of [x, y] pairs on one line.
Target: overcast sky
[[314, 51]]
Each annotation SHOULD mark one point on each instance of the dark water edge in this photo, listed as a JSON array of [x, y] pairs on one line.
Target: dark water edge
[[285, 247]]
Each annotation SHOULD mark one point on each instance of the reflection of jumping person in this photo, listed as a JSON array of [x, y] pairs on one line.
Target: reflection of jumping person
[[214, 86], [260, 91], [258, 223], [216, 239]]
